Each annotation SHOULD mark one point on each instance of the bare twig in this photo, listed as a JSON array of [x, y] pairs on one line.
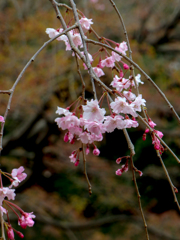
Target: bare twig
[[169, 179], [85, 170], [139, 196], [81, 77]]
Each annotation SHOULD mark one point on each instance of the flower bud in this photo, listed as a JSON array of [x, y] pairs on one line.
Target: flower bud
[[96, 152]]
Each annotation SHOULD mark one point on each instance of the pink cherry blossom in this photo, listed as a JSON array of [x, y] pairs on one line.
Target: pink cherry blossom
[[129, 95], [85, 23], [73, 157], [95, 137], [26, 220], [116, 57], [3, 210], [18, 173], [1, 119], [85, 138], [138, 102], [151, 123], [94, 127], [51, 32], [114, 122], [120, 83], [108, 62], [121, 106], [122, 48], [131, 123], [63, 111], [76, 37], [89, 55], [93, 112], [138, 80], [6, 192], [98, 71], [160, 134], [67, 122]]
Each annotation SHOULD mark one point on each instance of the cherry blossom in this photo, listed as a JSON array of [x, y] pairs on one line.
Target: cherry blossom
[[6, 192], [138, 102], [85, 23], [108, 62], [129, 95], [1, 119], [26, 220], [98, 71], [151, 123], [93, 112], [18, 173], [138, 80], [116, 57], [63, 111], [122, 48], [121, 106], [114, 122], [94, 127], [120, 83]]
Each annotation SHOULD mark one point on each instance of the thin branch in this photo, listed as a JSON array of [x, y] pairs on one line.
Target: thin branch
[[169, 179], [130, 144], [5, 92], [2, 225], [84, 45], [81, 77], [139, 196], [85, 170]]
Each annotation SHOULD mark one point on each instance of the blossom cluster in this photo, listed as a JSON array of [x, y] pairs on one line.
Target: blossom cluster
[[155, 141], [24, 219], [89, 125]]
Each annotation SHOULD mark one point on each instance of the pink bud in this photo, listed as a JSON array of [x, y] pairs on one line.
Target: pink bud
[[87, 150], [72, 141], [66, 137], [76, 163], [144, 137], [118, 160], [147, 130], [20, 234], [10, 233], [140, 173], [119, 172], [96, 152], [121, 74], [125, 66], [151, 123]]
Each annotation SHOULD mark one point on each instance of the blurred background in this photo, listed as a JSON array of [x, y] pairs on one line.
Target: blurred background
[[55, 190]]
